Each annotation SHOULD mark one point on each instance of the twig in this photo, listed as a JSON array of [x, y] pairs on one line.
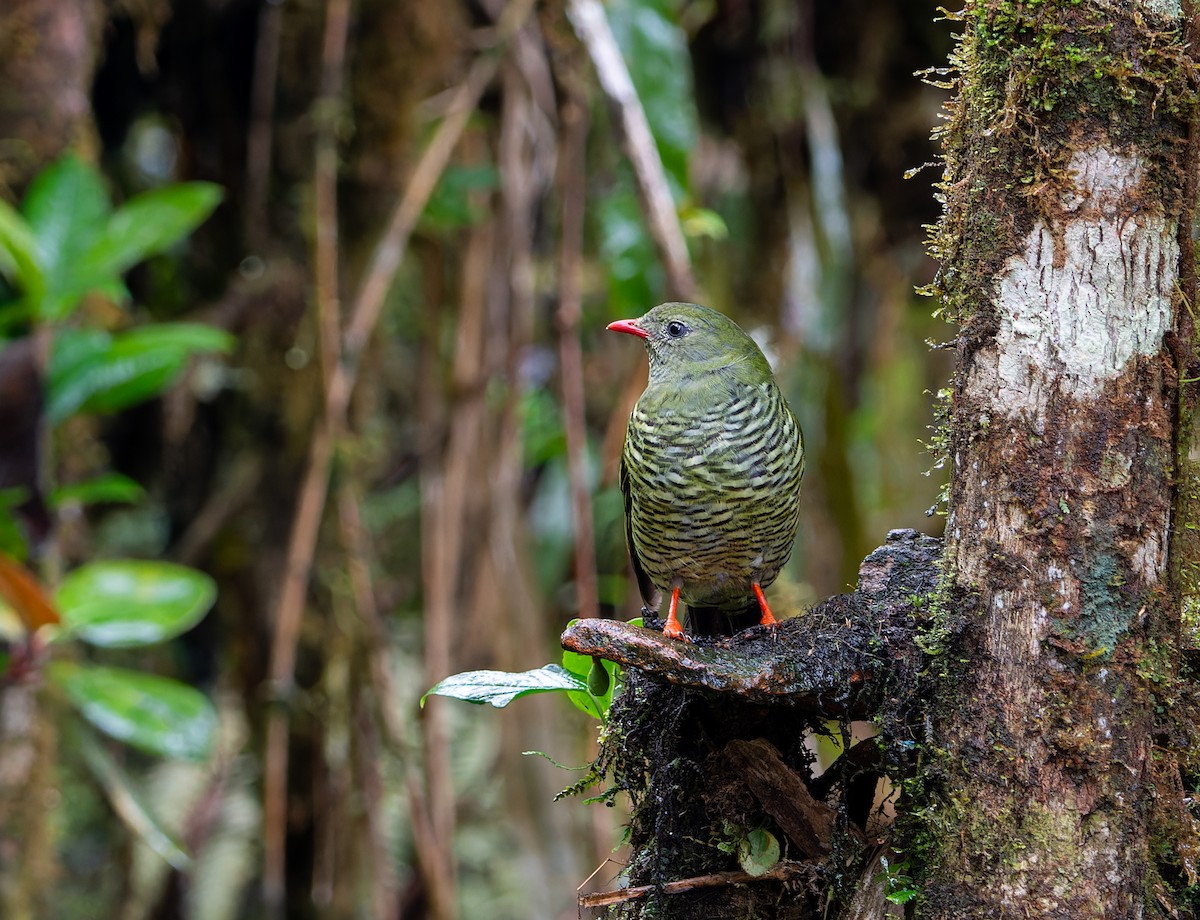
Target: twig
[[259, 134], [591, 25], [302, 540], [574, 120], [385, 260], [328, 116], [780, 872]]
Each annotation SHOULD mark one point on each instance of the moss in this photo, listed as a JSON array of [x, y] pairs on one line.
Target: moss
[[1185, 551]]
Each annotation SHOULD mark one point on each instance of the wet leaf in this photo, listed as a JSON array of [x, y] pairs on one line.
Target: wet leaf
[[154, 714], [499, 688], [121, 603]]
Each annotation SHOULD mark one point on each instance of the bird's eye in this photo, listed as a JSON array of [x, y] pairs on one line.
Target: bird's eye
[[675, 329]]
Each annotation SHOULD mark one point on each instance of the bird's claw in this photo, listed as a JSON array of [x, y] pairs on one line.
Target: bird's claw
[[676, 633]]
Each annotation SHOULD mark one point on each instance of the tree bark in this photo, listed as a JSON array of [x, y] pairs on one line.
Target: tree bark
[[1060, 250], [48, 52]]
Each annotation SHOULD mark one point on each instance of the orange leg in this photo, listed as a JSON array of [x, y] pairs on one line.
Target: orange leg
[[768, 618], [672, 629]]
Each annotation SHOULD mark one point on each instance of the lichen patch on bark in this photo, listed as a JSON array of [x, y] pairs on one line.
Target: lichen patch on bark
[[1084, 295]]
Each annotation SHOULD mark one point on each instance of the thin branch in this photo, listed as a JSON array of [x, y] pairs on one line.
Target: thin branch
[[302, 542], [591, 25], [388, 253], [328, 117], [782, 871], [259, 134], [574, 119]]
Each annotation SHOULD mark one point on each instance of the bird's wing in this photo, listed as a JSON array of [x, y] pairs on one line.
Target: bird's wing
[[651, 596]]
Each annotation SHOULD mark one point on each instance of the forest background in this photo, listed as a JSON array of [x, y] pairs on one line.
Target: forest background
[[398, 461]]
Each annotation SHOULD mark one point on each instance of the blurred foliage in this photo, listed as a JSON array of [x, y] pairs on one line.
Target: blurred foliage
[[65, 245]]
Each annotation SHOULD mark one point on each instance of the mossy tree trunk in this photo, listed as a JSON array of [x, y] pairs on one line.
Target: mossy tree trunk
[[1070, 189]]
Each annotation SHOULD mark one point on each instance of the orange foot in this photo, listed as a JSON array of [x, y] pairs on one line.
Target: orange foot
[[673, 629], [768, 619]]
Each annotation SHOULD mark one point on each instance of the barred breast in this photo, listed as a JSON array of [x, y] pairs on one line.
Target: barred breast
[[714, 495]]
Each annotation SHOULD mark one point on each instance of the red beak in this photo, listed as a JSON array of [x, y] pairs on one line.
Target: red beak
[[630, 326]]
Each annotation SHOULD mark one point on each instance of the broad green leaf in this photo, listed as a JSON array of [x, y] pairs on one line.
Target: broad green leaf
[[19, 258], [109, 487], [151, 713], [131, 602], [127, 802], [499, 688], [758, 852], [579, 666], [66, 207], [148, 224], [96, 372]]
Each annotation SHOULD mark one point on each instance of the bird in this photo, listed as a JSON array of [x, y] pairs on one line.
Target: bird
[[711, 467]]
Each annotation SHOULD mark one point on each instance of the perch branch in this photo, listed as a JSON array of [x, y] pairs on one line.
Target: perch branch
[[831, 660]]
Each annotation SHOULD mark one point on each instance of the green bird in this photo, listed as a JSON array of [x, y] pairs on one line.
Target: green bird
[[711, 467]]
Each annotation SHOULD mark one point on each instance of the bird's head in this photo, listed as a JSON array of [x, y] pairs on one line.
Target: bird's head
[[688, 340]]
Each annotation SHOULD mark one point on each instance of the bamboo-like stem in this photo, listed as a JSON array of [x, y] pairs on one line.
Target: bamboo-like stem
[[572, 174], [260, 133], [591, 25], [302, 542]]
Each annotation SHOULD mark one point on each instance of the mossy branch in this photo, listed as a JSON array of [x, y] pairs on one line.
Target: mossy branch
[[835, 660]]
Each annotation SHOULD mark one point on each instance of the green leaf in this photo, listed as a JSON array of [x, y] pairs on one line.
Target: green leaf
[[109, 487], [147, 224], [499, 688], [580, 666], [66, 207], [127, 802], [758, 852], [19, 258], [130, 602], [156, 715], [902, 896], [92, 371], [456, 201]]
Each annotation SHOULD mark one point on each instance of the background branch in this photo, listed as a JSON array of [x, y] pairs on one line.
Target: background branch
[[591, 25]]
